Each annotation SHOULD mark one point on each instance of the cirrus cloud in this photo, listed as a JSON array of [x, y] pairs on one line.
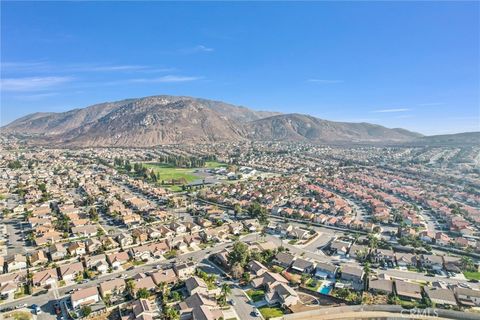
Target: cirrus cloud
[[32, 83]]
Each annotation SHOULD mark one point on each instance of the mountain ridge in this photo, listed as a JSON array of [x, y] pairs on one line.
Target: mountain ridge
[[164, 119]]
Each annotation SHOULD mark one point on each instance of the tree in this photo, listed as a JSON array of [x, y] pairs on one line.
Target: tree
[[86, 311], [237, 270], [239, 254], [257, 211], [93, 214], [143, 293], [467, 263], [107, 299], [170, 313], [225, 291], [237, 209], [367, 271], [246, 277], [130, 287], [176, 296], [372, 241]]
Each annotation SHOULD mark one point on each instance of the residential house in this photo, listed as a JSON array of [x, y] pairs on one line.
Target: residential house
[[192, 227], [178, 228], [57, 252], [76, 249], [117, 259], [325, 270], [380, 286], [196, 285], [358, 252], [256, 268], [112, 287], [405, 259], [92, 245], [267, 278], [339, 247], [281, 293], [184, 270], [143, 309], [284, 259], [140, 235], [38, 257], [354, 275], [125, 240], [441, 296], [235, 227], [68, 272], [468, 297], [97, 262], [16, 262], [144, 283], [84, 296], [165, 276], [383, 256], [408, 290], [302, 265], [85, 231], [432, 262], [45, 277]]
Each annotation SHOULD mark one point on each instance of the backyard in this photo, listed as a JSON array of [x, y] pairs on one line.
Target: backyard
[[270, 312], [256, 295]]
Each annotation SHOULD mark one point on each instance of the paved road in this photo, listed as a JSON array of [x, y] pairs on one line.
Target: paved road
[[16, 244], [242, 305]]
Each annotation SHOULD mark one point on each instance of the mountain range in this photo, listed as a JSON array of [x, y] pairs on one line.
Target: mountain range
[[157, 120]]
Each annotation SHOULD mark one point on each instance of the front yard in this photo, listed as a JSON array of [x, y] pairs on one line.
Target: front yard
[[256, 295], [270, 312], [472, 275]]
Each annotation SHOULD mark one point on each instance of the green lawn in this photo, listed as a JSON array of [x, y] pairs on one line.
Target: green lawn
[[256, 295], [168, 172], [214, 164], [472, 275], [313, 284], [270, 312]]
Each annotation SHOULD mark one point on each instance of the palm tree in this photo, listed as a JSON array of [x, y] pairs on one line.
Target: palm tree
[[467, 263], [170, 313], [130, 286], [367, 271], [225, 291]]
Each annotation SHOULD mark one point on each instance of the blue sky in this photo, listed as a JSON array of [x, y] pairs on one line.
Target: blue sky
[[400, 64]]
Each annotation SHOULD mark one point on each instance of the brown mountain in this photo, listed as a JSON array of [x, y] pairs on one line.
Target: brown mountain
[[159, 120]]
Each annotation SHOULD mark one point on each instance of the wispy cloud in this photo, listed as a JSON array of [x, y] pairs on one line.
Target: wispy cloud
[[32, 83], [197, 49], [167, 79], [164, 79], [430, 104], [391, 110], [43, 67], [324, 81]]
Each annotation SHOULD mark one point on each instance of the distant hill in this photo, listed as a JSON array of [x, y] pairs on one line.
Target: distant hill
[[157, 120], [458, 139]]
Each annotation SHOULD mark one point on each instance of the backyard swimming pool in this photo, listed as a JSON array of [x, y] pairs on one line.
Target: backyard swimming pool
[[325, 290]]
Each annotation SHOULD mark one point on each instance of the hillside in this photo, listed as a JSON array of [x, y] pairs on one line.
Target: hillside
[[165, 119]]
